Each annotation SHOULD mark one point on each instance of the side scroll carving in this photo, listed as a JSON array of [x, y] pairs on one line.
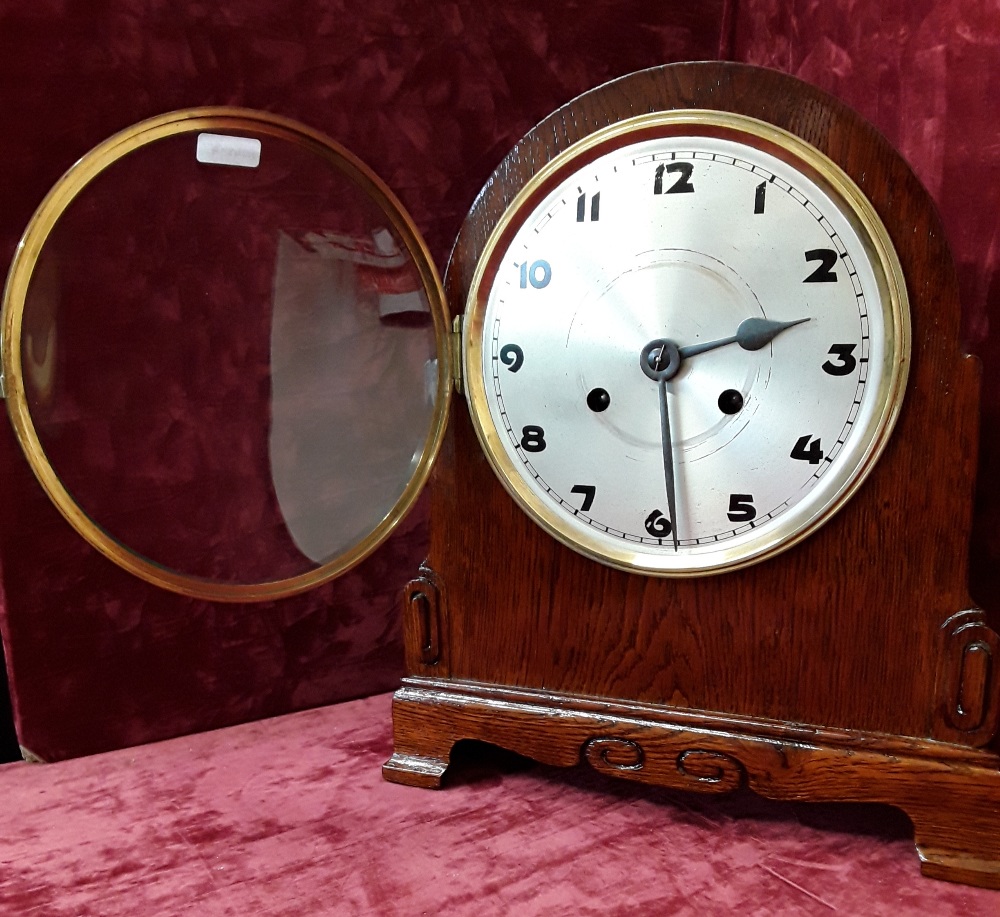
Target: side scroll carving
[[968, 709], [424, 624]]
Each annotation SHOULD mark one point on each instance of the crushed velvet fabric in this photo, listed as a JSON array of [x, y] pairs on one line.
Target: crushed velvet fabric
[[430, 95], [291, 816]]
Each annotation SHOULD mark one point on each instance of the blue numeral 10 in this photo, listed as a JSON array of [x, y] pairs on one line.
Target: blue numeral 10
[[538, 274]]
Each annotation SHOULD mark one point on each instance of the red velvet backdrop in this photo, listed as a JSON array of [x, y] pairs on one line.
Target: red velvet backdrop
[[430, 95]]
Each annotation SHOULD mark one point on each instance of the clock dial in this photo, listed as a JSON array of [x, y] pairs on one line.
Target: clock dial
[[686, 344]]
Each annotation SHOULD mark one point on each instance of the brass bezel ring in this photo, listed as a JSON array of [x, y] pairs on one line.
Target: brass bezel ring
[[789, 528], [43, 221]]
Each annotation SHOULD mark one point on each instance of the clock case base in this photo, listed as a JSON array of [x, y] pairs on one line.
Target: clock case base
[[853, 666], [951, 794]]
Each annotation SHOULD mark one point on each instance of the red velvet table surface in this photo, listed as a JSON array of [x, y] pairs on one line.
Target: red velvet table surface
[[291, 816]]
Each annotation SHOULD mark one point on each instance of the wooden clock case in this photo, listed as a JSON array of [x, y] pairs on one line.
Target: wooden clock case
[[852, 667]]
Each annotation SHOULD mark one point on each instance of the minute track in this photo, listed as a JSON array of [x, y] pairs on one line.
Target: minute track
[[695, 268]]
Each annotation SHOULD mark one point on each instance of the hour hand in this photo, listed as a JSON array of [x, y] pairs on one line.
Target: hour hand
[[752, 334]]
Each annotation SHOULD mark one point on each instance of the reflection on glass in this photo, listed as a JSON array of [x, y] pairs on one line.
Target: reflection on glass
[[327, 459], [231, 369]]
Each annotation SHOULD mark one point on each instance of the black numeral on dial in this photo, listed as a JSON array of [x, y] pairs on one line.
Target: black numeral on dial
[[657, 524], [807, 449], [595, 208], [538, 274], [825, 273], [741, 508], [588, 492], [846, 363], [532, 439], [683, 183], [759, 196], [512, 357]]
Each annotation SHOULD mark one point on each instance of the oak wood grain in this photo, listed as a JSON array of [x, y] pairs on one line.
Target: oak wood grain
[[853, 630]]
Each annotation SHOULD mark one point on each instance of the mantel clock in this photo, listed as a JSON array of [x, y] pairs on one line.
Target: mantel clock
[[703, 519], [691, 398]]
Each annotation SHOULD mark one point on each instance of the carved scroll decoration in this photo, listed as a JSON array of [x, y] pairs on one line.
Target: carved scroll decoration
[[612, 755], [712, 771], [691, 768]]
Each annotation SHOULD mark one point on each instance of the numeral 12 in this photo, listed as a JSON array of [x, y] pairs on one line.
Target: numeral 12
[[681, 186]]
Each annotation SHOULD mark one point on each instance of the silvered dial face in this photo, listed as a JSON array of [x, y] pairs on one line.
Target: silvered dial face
[[686, 343]]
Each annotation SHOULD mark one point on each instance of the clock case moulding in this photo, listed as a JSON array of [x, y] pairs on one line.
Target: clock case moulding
[[853, 667]]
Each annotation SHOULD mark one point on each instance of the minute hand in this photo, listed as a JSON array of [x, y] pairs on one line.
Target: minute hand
[[753, 334]]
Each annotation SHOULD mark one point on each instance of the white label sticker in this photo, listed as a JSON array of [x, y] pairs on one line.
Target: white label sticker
[[222, 150]]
